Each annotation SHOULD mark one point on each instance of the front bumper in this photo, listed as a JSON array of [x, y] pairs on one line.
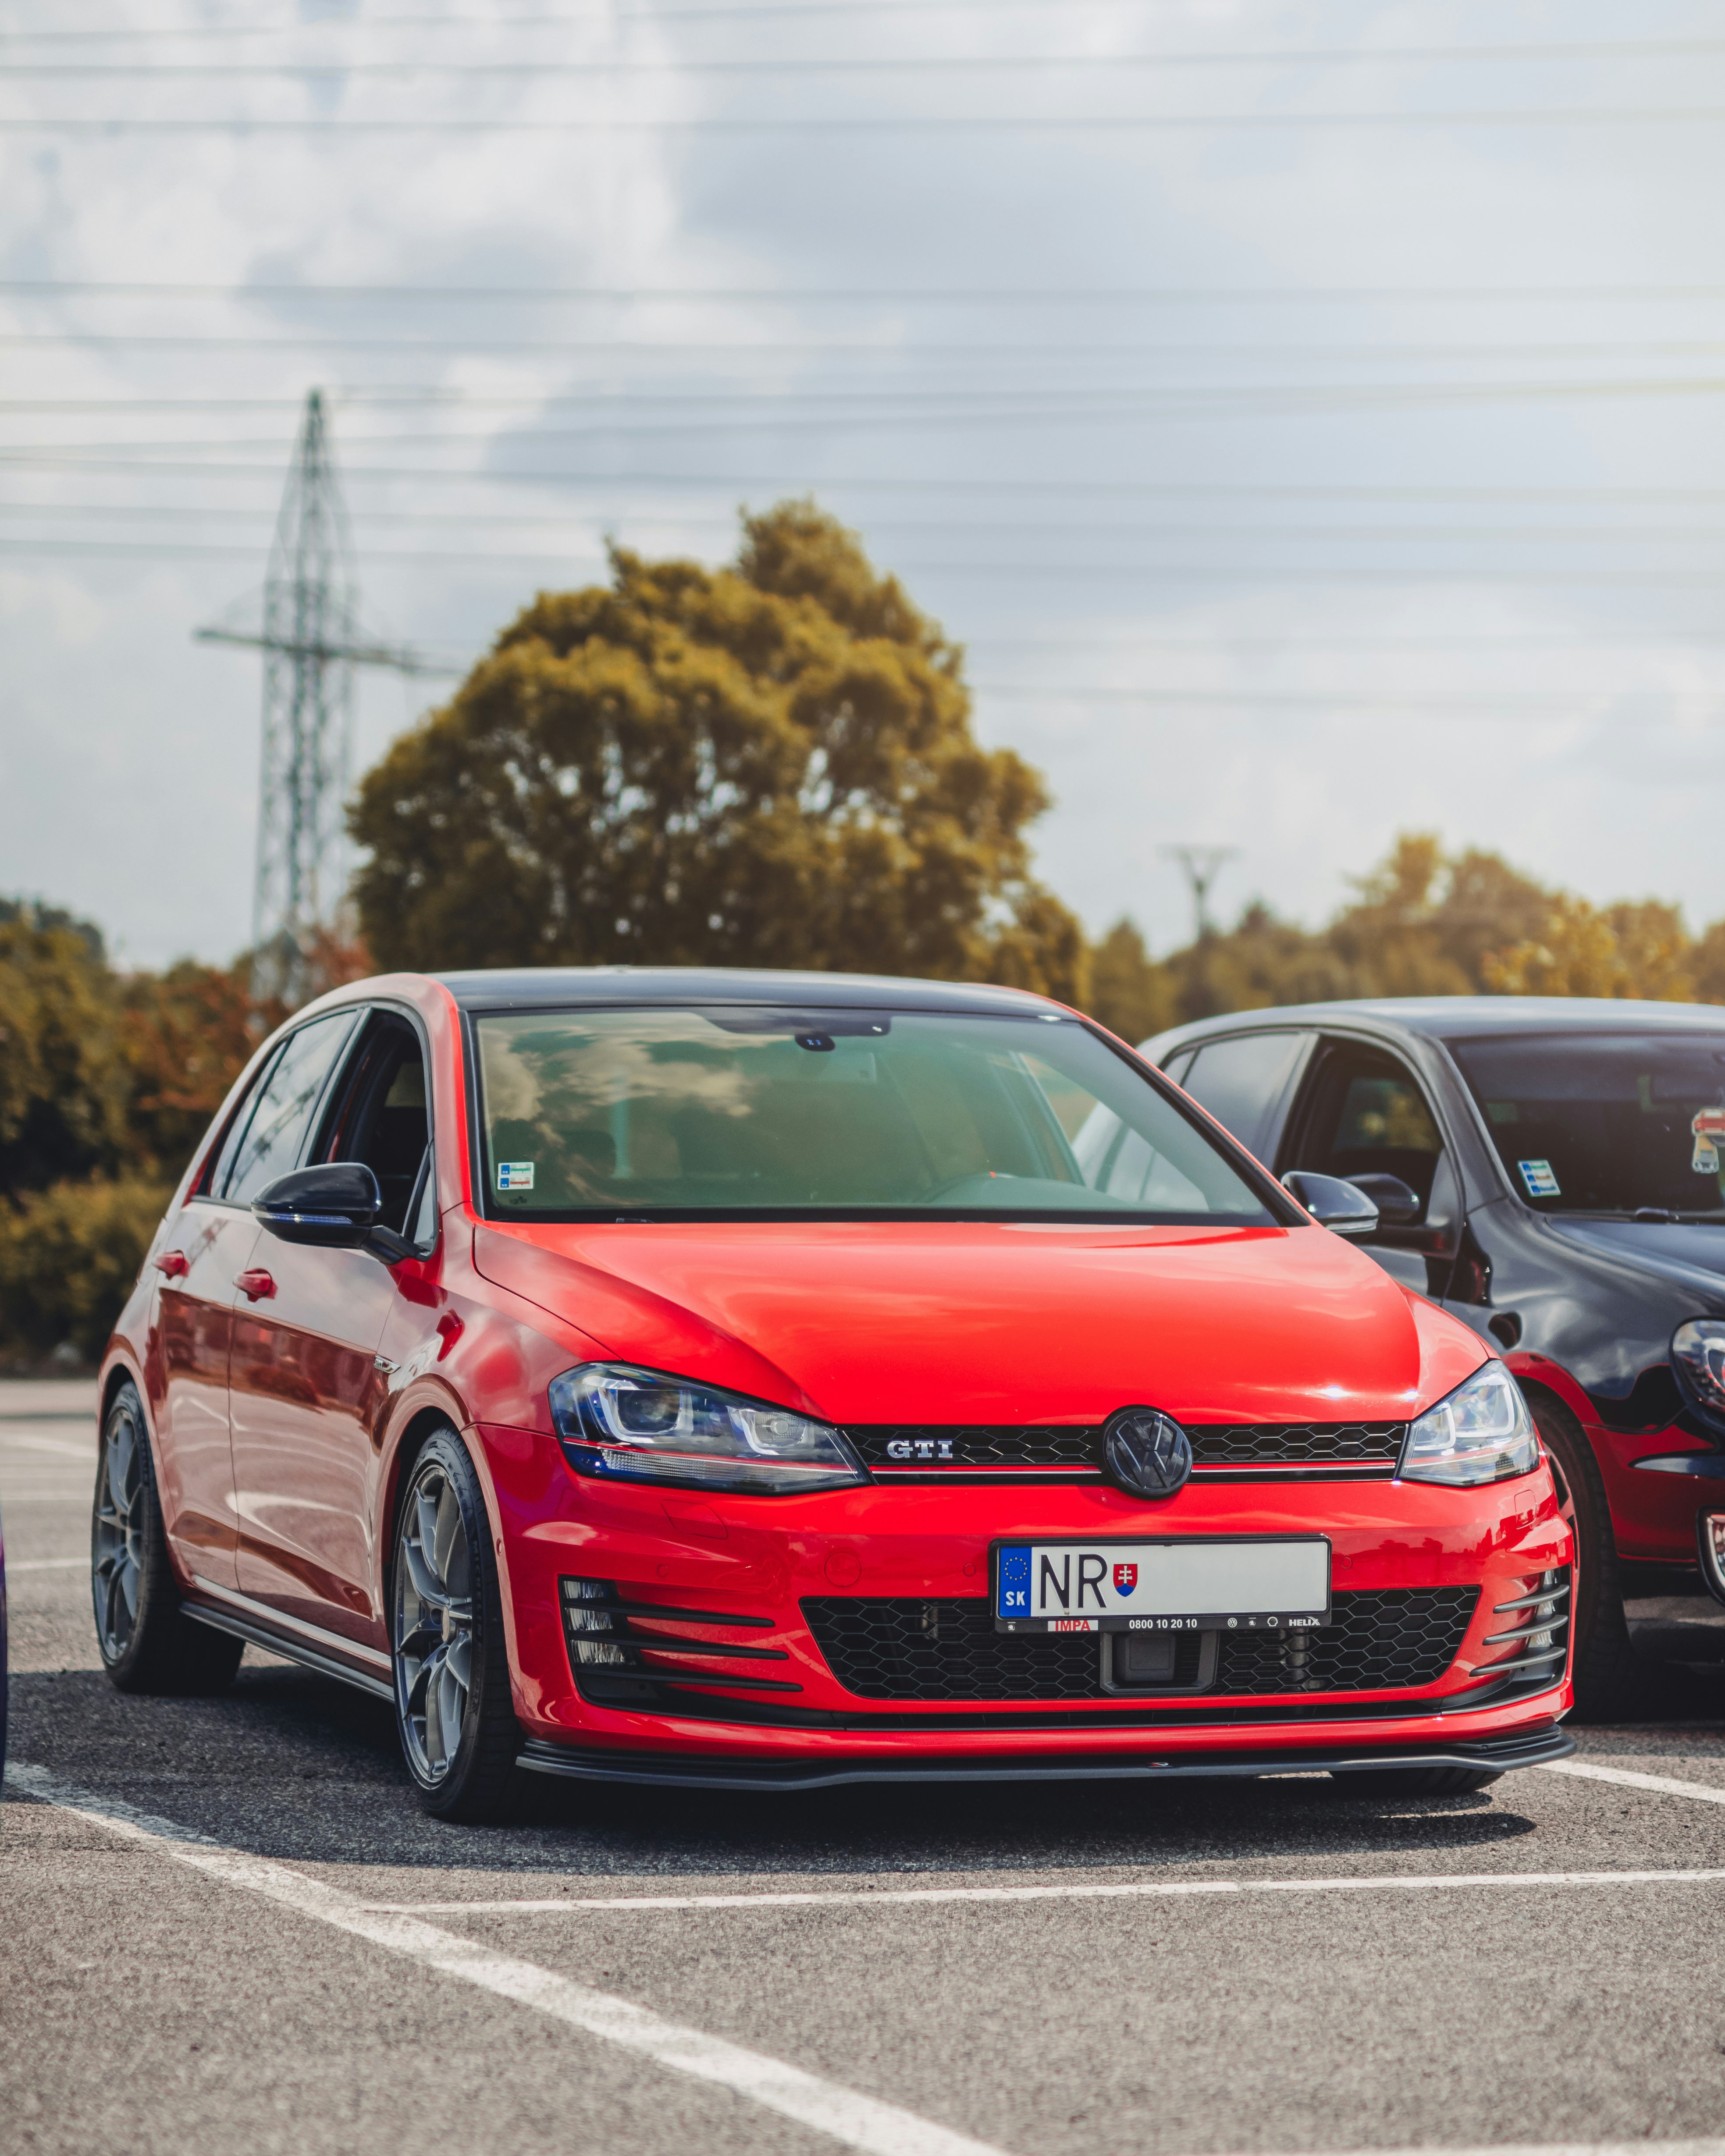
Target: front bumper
[[765, 1570]]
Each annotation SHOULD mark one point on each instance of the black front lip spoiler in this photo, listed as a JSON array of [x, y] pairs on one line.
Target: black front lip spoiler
[[1531, 1747]]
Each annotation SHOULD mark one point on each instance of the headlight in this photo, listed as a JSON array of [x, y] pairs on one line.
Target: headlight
[[1481, 1433], [1698, 1360], [617, 1420]]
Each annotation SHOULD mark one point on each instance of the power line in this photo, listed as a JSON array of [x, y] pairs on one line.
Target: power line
[[77, 459], [1185, 532], [1347, 699], [1149, 572], [807, 14], [984, 403], [847, 124], [967, 64], [1097, 408], [776, 347], [894, 296]]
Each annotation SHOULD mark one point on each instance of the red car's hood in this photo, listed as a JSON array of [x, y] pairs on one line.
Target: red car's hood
[[932, 1322]]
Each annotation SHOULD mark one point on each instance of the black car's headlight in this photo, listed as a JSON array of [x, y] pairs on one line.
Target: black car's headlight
[[617, 1420], [1481, 1433], [1698, 1364]]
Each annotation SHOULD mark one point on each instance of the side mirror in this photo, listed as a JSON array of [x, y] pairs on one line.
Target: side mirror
[[1398, 1205], [332, 1208], [1333, 1204]]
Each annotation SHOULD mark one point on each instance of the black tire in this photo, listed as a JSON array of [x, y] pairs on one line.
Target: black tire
[[1603, 1663], [146, 1641], [447, 1643], [1415, 1781]]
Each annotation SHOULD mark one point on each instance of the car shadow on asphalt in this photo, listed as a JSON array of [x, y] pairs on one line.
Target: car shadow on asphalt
[[290, 1765]]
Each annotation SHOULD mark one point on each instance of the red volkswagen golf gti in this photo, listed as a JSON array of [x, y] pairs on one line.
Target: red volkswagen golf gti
[[763, 1380]]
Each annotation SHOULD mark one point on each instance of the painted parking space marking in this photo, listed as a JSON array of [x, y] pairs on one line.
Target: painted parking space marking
[[1664, 1785], [1562, 2148], [1109, 1890], [64, 1448], [845, 2115], [46, 1564]]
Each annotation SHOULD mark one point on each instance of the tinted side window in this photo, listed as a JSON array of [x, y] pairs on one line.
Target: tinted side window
[[379, 1116], [1241, 1081], [214, 1181], [1368, 1116], [277, 1129]]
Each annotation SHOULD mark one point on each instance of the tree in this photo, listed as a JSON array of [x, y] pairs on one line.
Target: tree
[[63, 1086], [767, 765], [1130, 993]]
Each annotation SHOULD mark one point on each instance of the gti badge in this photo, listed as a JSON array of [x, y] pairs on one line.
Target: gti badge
[[1148, 1454]]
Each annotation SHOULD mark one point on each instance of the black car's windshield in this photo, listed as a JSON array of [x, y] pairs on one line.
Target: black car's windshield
[[594, 1113], [1606, 1122]]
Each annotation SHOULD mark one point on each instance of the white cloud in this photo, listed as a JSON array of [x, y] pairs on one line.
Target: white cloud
[[128, 754]]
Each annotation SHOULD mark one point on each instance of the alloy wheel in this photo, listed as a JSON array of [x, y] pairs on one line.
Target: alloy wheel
[[117, 1534], [433, 1623]]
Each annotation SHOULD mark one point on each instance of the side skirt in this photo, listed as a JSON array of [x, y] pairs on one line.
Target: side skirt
[[295, 1651]]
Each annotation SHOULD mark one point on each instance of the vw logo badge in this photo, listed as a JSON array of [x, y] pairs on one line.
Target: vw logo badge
[[1148, 1453]]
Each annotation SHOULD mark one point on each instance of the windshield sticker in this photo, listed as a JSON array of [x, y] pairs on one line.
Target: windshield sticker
[[1708, 1126], [1538, 1177], [514, 1175]]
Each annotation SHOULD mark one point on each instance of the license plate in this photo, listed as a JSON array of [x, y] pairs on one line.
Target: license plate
[[1237, 1584]]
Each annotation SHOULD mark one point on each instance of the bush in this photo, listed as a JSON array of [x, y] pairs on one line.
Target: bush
[[68, 1256]]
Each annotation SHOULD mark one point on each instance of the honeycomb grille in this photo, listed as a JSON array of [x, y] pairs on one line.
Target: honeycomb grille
[[908, 1650], [925, 1449], [1397, 1639]]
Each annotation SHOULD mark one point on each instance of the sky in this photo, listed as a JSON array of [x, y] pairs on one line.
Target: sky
[[1306, 414]]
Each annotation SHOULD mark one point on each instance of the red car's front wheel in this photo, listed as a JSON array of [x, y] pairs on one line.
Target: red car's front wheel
[[458, 1733]]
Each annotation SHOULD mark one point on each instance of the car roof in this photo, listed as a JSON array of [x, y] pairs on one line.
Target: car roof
[[541, 986], [1455, 1018]]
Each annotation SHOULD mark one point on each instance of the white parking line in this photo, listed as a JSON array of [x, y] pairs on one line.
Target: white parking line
[[1663, 1785], [64, 1447], [1567, 2149], [1111, 1891], [46, 1564], [857, 2121]]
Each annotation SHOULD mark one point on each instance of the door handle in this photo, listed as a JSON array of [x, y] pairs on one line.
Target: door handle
[[174, 1264], [255, 1283]]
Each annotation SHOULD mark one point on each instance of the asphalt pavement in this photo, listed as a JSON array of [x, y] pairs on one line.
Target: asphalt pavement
[[226, 1925]]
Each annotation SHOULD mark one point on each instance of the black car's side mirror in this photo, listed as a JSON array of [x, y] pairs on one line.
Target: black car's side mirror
[[1398, 1203], [1333, 1204], [331, 1207]]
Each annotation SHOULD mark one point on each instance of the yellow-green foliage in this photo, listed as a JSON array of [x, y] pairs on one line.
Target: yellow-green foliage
[[68, 1256], [769, 765]]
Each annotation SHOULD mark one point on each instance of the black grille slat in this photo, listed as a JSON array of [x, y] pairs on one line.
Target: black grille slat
[[888, 1649], [1238, 1444], [952, 1449], [881, 1648]]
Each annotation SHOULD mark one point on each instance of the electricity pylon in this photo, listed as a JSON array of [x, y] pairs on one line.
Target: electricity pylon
[[312, 641], [1200, 865]]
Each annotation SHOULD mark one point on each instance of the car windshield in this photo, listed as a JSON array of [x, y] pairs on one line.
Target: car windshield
[[1606, 1122], [594, 1113]]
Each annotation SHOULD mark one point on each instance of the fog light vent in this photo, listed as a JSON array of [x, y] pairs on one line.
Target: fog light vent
[[602, 1633]]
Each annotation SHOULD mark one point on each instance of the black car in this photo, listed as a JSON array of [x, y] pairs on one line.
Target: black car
[[1552, 1170]]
